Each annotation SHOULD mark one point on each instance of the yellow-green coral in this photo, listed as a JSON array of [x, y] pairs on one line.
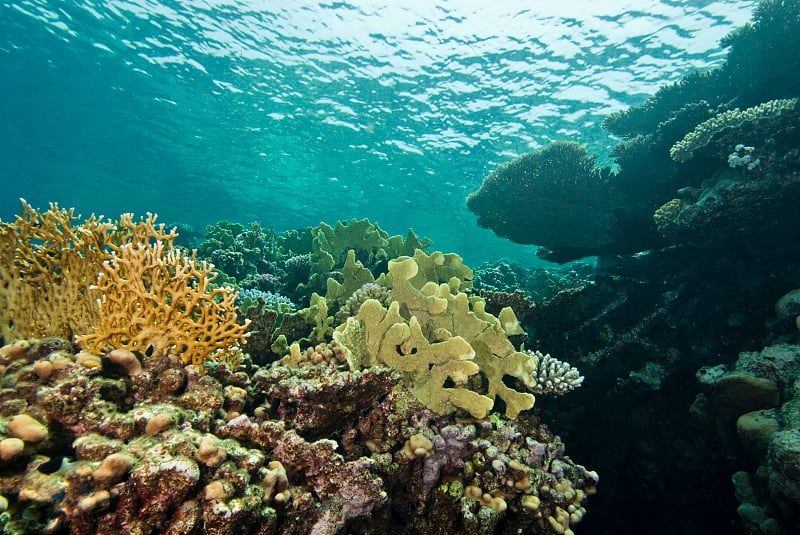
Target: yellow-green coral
[[380, 336], [373, 244], [317, 314], [329, 246], [438, 267], [354, 274], [330, 243], [432, 331]]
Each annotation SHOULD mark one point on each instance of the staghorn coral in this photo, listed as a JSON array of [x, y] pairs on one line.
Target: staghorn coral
[[552, 376], [153, 298], [48, 262]]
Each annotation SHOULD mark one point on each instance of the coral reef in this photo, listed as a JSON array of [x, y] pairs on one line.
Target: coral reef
[[369, 290], [687, 277], [110, 285], [760, 66], [517, 301], [144, 444], [162, 423], [754, 409], [419, 416], [240, 252]]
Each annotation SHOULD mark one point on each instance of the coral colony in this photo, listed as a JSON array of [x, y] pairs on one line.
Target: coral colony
[[130, 402]]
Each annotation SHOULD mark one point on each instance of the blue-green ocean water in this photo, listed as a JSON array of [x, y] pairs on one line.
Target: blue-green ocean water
[[296, 112]]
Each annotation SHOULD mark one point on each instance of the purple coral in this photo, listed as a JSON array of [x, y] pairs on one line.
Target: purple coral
[[451, 448], [266, 282]]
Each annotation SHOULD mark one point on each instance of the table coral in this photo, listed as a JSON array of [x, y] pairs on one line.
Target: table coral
[[534, 199]]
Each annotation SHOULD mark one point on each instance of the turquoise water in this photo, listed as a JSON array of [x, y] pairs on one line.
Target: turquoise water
[[296, 112]]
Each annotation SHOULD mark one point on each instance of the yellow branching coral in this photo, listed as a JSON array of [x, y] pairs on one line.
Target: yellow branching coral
[[48, 262], [151, 295], [112, 283]]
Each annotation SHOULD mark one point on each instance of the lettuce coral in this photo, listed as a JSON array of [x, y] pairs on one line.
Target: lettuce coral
[[438, 336], [380, 336]]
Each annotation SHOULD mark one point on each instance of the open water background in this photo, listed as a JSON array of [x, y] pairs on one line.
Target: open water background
[[295, 112]]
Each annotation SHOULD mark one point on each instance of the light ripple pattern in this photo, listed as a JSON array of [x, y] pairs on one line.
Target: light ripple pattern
[[297, 112]]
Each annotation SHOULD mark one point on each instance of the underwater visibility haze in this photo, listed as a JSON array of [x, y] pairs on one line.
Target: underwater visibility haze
[[592, 327], [292, 113]]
